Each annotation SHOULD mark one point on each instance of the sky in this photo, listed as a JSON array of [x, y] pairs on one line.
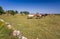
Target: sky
[[33, 6]]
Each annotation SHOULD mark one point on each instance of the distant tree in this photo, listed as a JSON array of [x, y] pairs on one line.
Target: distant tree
[[16, 12], [24, 12], [1, 10], [21, 13], [12, 12]]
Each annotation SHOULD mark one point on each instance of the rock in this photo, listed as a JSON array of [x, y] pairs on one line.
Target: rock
[[9, 26], [2, 20], [24, 37], [37, 37], [16, 33]]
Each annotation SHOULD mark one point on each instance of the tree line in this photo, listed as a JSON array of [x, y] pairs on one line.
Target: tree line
[[12, 12]]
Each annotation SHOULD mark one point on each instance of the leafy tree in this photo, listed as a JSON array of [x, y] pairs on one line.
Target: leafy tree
[[12, 12], [21, 12], [1, 10], [24, 12], [16, 12]]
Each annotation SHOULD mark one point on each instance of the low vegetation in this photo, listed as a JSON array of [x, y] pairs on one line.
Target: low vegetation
[[5, 33], [44, 28]]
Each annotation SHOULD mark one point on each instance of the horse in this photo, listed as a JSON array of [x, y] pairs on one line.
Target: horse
[[37, 16], [30, 16]]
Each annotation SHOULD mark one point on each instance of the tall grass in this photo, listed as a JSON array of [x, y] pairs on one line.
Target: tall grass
[[5, 33], [44, 28]]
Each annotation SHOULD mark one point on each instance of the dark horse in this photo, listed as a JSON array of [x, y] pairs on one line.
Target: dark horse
[[38, 16]]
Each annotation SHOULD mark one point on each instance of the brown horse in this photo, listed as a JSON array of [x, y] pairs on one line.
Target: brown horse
[[37, 16]]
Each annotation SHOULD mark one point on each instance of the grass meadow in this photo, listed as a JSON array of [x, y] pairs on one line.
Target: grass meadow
[[44, 28]]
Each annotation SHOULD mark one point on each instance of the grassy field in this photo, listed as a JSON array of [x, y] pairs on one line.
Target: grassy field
[[45, 28], [6, 33]]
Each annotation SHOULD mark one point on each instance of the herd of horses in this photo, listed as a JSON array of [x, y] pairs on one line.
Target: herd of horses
[[36, 16]]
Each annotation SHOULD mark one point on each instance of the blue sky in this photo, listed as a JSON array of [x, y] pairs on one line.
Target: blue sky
[[33, 6]]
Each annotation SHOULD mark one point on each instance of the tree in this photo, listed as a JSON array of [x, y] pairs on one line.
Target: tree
[[21, 13], [16, 12], [24, 12], [1, 10], [12, 12]]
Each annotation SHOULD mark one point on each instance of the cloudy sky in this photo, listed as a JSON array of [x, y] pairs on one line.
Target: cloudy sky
[[33, 6]]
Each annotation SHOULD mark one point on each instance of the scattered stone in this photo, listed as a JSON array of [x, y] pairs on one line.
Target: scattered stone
[[20, 36], [2, 20], [37, 37], [9, 26], [24, 37], [16, 33]]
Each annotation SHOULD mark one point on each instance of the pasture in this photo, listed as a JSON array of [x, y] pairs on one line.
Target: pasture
[[44, 28]]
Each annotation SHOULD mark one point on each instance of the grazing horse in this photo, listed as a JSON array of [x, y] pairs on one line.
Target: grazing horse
[[37, 16], [30, 16]]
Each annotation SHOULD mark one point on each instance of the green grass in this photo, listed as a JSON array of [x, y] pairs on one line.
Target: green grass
[[5, 33], [45, 28]]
